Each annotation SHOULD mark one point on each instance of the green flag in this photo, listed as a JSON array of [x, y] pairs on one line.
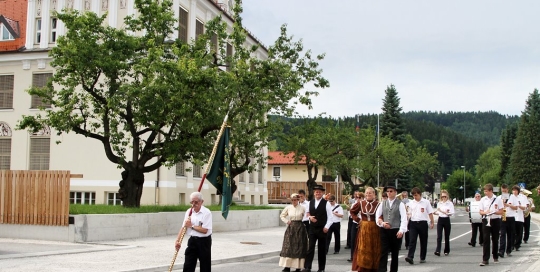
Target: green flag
[[220, 173]]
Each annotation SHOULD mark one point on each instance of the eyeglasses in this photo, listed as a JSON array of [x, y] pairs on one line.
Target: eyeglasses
[[390, 191]]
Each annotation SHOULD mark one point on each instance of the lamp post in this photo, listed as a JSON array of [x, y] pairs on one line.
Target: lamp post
[[463, 184]]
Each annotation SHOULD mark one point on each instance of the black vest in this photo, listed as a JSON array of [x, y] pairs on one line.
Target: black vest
[[319, 213]]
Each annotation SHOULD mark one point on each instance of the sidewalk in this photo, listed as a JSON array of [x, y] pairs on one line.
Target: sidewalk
[[141, 255]]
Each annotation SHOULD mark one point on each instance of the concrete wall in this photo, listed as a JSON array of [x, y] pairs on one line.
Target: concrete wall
[[106, 227]]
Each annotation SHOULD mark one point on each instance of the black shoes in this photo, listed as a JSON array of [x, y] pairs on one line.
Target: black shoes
[[409, 260], [320, 270], [422, 261], [501, 255], [286, 269], [337, 252], [471, 244], [306, 270], [437, 253], [348, 247], [349, 260]]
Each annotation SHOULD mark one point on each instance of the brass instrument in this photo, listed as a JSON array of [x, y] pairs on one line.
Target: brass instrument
[[527, 211], [504, 210]]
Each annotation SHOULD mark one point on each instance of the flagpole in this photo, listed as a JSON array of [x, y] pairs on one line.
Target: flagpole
[[378, 143], [209, 165]]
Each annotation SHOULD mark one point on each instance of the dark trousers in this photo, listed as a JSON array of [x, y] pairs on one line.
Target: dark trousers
[[508, 228], [389, 244], [491, 234], [354, 235], [527, 228], [418, 229], [349, 227], [306, 224], [316, 236], [406, 239], [475, 228], [519, 234], [443, 225], [335, 229], [198, 248]]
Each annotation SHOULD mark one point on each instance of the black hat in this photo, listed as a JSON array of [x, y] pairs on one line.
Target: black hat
[[318, 187], [389, 187]]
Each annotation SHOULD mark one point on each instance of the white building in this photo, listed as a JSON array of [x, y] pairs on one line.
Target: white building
[[31, 65]]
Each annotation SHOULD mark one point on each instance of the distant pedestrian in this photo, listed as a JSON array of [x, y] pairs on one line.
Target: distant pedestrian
[[476, 221], [295, 241], [199, 228]]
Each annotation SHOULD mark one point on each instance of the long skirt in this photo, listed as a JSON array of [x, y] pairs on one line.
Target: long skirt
[[295, 246], [368, 249]]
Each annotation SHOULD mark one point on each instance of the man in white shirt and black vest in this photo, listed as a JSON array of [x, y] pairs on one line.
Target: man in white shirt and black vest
[[319, 223], [392, 218], [420, 212]]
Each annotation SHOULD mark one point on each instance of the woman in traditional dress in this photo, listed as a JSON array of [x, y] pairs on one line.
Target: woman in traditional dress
[[368, 243], [295, 241]]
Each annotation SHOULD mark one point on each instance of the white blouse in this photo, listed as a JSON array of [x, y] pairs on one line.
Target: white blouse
[[294, 213], [447, 207]]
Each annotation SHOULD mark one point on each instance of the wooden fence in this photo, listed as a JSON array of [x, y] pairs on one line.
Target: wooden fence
[[34, 197], [280, 191]]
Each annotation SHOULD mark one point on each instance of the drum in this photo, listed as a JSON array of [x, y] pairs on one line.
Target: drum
[[474, 212]]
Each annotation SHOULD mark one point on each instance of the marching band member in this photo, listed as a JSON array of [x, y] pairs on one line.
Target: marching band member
[[527, 214], [445, 209], [491, 208], [476, 224], [508, 226], [420, 211], [520, 218], [335, 228]]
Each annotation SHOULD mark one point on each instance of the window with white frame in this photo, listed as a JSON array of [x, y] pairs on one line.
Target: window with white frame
[[181, 168], [5, 35], [196, 171], [199, 28], [40, 80], [5, 153], [112, 199], [6, 91], [52, 34], [88, 198], [183, 18], [38, 31], [277, 171], [40, 153]]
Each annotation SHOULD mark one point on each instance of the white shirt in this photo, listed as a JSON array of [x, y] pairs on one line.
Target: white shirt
[[203, 218], [487, 206], [328, 212], [447, 207], [420, 210], [522, 202], [336, 208], [305, 204], [512, 200], [402, 213]]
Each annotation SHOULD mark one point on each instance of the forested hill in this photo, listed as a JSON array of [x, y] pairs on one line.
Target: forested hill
[[484, 126]]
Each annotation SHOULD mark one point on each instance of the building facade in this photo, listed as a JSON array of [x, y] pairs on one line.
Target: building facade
[[32, 31]]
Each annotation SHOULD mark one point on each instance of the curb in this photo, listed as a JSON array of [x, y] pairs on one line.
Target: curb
[[177, 267]]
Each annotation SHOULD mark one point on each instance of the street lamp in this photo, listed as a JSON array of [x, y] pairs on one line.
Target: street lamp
[[463, 184]]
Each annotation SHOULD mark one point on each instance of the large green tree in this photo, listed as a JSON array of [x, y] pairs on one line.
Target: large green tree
[[392, 120], [152, 100], [508, 137], [488, 166], [525, 159]]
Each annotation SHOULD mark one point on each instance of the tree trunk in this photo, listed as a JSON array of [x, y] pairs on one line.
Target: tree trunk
[[131, 188]]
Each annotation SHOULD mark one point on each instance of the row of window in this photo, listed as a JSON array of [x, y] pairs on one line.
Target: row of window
[[39, 153], [89, 198], [7, 90], [197, 170], [53, 22]]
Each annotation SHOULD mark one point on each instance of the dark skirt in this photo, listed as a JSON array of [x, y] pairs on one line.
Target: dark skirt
[[295, 241]]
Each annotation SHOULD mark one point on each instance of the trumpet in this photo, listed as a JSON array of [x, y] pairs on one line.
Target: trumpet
[[488, 224]]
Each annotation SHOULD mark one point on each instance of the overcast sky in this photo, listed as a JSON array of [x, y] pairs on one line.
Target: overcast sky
[[458, 55]]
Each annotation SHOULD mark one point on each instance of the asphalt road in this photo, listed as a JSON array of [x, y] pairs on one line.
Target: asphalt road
[[461, 258]]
